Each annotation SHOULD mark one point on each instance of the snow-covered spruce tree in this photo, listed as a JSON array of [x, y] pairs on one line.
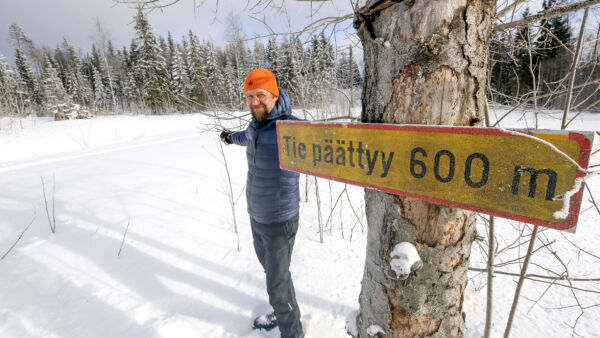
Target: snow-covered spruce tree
[[78, 85], [100, 94], [288, 63], [169, 53], [273, 56], [27, 79], [164, 48], [300, 85], [425, 72], [355, 76], [52, 87], [322, 69], [213, 75], [327, 60], [179, 80], [258, 59], [109, 80], [231, 90], [343, 71], [131, 91], [8, 88], [149, 67], [122, 72], [196, 59], [21, 41], [111, 53], [95, 57], [98, 63]]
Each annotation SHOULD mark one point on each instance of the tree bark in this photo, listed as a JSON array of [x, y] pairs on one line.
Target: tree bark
[[425, 63]]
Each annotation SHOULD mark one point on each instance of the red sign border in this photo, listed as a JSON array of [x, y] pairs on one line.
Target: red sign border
[[575, 202]]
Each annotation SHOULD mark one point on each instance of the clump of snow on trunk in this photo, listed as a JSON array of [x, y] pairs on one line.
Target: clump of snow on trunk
[[404, 257]]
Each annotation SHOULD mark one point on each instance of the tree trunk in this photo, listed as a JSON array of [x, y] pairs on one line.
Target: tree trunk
[[425, 63]]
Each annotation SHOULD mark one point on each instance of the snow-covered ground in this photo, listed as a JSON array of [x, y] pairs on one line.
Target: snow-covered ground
[[179, 273]]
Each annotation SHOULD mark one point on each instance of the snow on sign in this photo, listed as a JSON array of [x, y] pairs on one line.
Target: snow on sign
[[529, 176]]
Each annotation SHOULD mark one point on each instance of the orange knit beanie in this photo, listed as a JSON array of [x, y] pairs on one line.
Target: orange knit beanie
[[261, 78]]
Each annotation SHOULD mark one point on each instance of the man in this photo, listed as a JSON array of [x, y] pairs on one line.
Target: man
[[273, 198]]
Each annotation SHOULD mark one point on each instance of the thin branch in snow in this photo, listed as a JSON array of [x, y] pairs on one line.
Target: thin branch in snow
[[593, 201], [355, 214], [51, 220], [124, 235], [230, 195], [21, 236], [333, 208]]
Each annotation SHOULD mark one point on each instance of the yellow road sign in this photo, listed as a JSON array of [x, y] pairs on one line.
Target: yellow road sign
[[522, 175]]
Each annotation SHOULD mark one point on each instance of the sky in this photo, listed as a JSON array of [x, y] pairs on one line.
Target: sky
[[47, 22]]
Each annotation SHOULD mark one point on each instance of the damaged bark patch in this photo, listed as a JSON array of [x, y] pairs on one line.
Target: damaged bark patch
[[435, 224], [441, 96], [452, 231], [404, 324], [474, 121], [454, 261]]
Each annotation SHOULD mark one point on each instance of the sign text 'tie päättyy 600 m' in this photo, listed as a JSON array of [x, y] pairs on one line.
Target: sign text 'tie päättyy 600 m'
[[529, 176]]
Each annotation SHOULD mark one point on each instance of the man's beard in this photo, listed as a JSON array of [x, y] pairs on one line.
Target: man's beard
[[259, 114]]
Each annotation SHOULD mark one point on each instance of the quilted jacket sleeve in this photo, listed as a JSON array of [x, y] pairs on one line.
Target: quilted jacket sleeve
[[239, 138]]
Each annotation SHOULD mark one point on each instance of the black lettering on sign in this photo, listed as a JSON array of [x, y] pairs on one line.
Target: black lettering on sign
[[371, 161], [328, 151], [386, 164], [484, 175], [436, 166], [294, 146], [414, 162], [287, 144], [316, 154], [552, 178], [302, 150]]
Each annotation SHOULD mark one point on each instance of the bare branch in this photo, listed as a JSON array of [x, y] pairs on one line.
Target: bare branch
[[229, 193], [51, 220], [573, 71], [124, 235], [592, 197], [18, 239], [513, 308], [557, 11], [509, 8]]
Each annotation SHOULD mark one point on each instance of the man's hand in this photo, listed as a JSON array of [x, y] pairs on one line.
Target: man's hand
[[225, 136]]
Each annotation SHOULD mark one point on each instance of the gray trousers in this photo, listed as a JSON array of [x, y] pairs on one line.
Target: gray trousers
[[273, 244]]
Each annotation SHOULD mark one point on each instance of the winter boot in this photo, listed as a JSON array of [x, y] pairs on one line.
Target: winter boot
[[265, 322]]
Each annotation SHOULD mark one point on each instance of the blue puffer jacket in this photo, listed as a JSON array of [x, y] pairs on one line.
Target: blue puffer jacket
[[272, 193]]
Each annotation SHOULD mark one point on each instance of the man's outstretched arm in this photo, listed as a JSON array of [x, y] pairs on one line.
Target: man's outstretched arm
[[238, 137]]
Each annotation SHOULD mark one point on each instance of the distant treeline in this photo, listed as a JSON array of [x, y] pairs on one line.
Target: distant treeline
[[160, 75], [528, 66]]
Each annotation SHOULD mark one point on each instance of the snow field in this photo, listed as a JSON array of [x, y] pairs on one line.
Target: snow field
[[179, 273]]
